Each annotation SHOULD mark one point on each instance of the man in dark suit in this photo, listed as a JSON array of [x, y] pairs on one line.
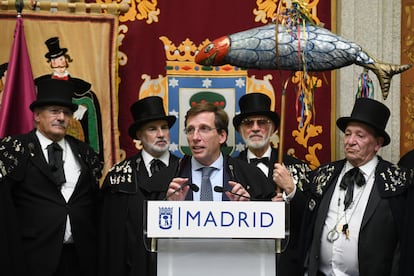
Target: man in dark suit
[[124, 250], [355, 213], [206, 128], [406, 268], [256, 123], [407, 160], [49, 193]]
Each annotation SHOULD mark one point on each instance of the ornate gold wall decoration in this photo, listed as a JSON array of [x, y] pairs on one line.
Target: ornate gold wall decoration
[[179, 61], [407, 83], [139, 9], [267, 10]]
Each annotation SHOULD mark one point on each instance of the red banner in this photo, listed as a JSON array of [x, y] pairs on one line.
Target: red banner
[[157, 36], [19, 90]]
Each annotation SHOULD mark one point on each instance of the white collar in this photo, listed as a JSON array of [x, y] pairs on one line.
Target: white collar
[[147, 158], [218, 164], [267, 153], [44, 141], [366, 169]]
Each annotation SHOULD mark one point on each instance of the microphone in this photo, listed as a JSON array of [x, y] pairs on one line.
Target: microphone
[[219, 189], [193, 187]]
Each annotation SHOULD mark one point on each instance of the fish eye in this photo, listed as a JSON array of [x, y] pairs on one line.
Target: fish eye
[[208, 48]]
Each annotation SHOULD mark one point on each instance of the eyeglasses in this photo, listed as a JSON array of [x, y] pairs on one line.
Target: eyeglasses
[[202, 130], [260, 122], [56, 111]]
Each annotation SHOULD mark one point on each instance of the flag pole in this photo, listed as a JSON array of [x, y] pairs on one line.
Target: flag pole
[[282, 123], [19, 5]]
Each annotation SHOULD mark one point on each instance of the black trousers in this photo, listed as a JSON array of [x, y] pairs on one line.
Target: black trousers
[[69, 262]]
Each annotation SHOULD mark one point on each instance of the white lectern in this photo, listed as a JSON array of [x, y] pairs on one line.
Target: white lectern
[[215, 238]]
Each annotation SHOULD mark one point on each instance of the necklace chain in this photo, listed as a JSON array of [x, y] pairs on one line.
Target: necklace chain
[[333, 234]]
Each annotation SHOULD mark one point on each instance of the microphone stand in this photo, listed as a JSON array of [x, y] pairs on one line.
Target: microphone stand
[[219, 189], [153, 241], [193, 187]]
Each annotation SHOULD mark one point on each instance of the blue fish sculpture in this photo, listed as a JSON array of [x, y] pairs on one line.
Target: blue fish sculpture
[[315, 49]]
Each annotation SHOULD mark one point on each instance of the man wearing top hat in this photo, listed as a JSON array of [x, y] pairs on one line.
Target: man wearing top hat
[[49, 184], [354, 214], [124, 250], [87, 123], [256, 123]]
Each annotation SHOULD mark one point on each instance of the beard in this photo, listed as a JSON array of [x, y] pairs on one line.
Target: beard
[[256, 143], [156, 149]]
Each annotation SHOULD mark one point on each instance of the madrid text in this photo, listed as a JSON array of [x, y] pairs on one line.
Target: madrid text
[[227, 219]]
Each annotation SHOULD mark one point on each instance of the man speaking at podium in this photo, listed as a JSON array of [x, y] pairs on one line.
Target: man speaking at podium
[[208, 175]]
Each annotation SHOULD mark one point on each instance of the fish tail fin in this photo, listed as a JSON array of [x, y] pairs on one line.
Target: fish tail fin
[[385, 72]]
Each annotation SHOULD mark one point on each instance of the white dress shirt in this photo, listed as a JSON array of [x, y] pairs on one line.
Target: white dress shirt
[[147, 158], [72, 171], [340, 257], [216, 177], [265, 169]]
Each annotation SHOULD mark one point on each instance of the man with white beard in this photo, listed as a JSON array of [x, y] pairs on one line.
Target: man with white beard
[[124, 250], [256, 123]]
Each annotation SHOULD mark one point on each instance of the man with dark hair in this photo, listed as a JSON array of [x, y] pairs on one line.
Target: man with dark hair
[[49, 190], [124, 250], [206, 128]]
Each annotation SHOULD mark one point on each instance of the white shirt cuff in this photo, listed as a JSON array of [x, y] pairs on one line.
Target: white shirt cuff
[[289, 197]]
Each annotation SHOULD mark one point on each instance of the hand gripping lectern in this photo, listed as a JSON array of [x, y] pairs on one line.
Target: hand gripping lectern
[[215, 238]]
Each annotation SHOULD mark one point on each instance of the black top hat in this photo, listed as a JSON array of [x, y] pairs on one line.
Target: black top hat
[[54, 92], [255, 104], [146, 110], [54, 48], [370, 112]]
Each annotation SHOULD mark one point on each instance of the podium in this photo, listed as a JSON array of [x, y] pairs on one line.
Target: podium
[[215, 238]]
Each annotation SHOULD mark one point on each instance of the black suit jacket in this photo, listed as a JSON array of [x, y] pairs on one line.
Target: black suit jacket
[[123, 248], [288, 261], [407, 160], [380, 233], [251, 177], [38, 210], [298, 169]]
